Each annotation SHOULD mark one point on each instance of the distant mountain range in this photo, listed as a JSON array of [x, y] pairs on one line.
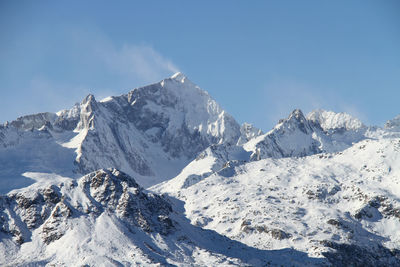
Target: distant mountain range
[[320, 189]]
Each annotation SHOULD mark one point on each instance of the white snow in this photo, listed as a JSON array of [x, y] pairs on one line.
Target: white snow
[[106, 99], [331, 120], [299, 196]]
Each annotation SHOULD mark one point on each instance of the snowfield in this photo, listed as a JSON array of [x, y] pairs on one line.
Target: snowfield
[[349, 197], [320, 189]]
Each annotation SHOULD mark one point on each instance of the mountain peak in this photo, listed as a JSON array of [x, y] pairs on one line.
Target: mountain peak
[[297, 113], [296, 120], [179, 76], [89, 98]]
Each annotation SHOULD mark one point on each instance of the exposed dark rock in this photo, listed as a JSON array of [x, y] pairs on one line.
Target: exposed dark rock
[[56, 225], [377, 207], [107, 191], [279, 234], [353, 255], [273, 232], [334, 222]]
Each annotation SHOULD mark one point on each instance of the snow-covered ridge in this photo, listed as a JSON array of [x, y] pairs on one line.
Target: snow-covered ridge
[[37, 121], [305, 193], [330, 120], [295, 136], [154, 132], [321, 131]]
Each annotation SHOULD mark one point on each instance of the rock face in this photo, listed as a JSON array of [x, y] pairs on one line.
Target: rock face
[[353, 255], [103, 191], [120, 194]]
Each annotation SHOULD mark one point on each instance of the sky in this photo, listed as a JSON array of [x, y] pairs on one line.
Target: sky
[[258, 59]]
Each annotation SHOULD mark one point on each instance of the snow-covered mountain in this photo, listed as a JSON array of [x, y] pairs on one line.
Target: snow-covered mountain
[[317, 190], [151, 133], [298, 136]]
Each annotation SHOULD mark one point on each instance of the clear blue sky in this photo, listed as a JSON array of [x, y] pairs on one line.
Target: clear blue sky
[[258, 59]]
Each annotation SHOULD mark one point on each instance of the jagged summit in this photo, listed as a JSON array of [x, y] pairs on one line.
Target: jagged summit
[[298, 135], [88, 98], [179, 76], [296, 120], [296, 113]]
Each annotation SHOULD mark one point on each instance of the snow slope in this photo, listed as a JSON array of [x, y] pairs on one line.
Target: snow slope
[[327, 205]]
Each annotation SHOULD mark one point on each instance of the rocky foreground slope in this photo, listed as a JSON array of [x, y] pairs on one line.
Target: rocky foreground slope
[[320, 189], [106, 219]]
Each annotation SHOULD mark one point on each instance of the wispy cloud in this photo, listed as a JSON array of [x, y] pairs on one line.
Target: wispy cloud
[[131, 62], [140, 61]]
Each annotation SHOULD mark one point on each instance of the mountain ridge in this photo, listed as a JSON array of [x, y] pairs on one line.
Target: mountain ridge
[[218, 193]]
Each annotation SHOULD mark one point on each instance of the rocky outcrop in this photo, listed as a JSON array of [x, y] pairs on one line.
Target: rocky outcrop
[[106, 190], [377, 207], [116, 192], [354, 255], [275, 233]]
